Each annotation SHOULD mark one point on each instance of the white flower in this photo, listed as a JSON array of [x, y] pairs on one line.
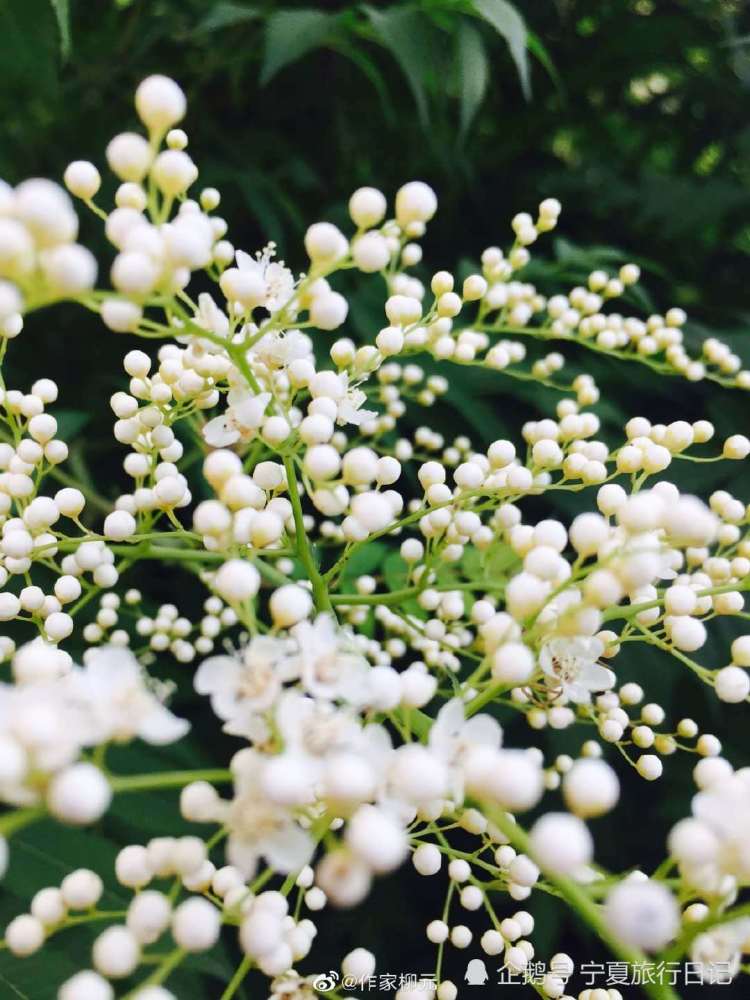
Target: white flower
[[313, 728], [328, 664], [210, 317], [291, 986], [39, 734], [278, 348], [717, 953], [116, 703], [453, 735], [260, 828], [349, 408], [571, 665], [642, 914], [245, 684], [331, 746], [725, 809], [278, 278], [327, 754], [242, 418]]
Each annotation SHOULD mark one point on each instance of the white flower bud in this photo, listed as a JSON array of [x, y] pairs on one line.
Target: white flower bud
[[116, 952], [561, 843], [325, 243], [119, 525], [80, 794], [237, 580], [160, 102], [367, 207], [415, 202], [129, 156], [196, 925], [82, 179], [290, 604], [590, 788]]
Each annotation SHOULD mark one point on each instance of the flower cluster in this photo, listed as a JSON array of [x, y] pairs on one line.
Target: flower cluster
[[375, 598]]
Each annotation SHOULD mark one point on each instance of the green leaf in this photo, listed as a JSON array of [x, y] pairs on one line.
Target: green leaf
[[507, 22], [29, 46], [62, 13], [365, 560], [404, 32], [395, 571], [71, 422], [373, 74], [499, 560], [538, 49], [291, 34], [226, 15], [473, 72]]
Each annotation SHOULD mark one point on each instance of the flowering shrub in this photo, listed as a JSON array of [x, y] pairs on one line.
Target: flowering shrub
[[371, 595]]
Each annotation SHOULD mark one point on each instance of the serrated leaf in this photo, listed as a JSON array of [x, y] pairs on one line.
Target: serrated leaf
[[473, 72], [507, 22], [62, 14], [291, 34], [403, 31]]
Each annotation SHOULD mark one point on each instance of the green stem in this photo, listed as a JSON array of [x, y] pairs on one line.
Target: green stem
[[580, 901], [167, 779], [238, 357], [234, 984], [631, 610], [171, 962], [16, 820], [168, 552], [395, 597], [304, 549]]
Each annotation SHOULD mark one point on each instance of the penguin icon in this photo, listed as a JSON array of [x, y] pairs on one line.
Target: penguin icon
[[476, 973]]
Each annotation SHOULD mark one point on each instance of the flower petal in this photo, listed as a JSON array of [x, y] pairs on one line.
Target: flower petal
[[160, 727], [219, 433], [288, 849]]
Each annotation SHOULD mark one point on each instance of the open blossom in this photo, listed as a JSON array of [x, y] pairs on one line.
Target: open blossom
[[240, 421], [45, 724], [258, 827], [717, 953], [278, 279], [38, 734], [571, 665], [313, 728], [350, 408], [452, 736], [117, 702], [724, 809], [279, 348], [328, 664], [210, 316], [341, 759], [246, 683]]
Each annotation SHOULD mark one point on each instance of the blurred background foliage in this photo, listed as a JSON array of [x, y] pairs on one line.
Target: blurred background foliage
[[632, 112]]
